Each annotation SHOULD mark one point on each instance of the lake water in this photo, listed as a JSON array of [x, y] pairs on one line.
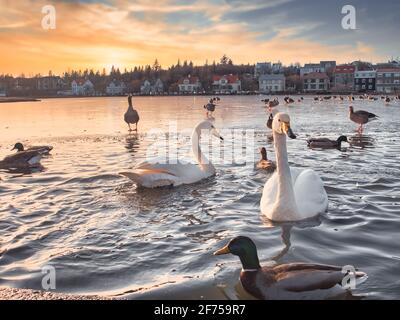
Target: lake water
[[105, 236]]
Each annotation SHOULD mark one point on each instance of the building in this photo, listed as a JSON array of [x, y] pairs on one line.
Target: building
[[388, 80], [311, 68], [272, 83], [116, 88], [189, 85], [3, 92], [227, 84], [365, 81], [262, 68], [152, 88], [316, 82], [328, 66], [82, 87], [50, 83], [277, 67], [343, 78]]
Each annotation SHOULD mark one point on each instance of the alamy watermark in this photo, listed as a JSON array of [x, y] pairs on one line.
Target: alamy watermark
[[349, 21], [349, 280], [50, 17], [49, 278]]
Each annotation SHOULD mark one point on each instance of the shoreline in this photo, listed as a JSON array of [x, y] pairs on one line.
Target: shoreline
[[28, 294], [18, 99]]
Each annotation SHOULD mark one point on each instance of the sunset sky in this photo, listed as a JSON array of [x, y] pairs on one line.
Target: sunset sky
[[97, 34]]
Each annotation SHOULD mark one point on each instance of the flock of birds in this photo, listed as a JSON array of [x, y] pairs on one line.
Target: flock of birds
[[290, 194]]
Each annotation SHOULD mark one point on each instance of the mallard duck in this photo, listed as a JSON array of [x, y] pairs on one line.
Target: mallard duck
[[264, 163], [22, 160], [131, 115], [361, 117], [288, 100], [325, 143], [291, 281], [42, 149], [270, 119]]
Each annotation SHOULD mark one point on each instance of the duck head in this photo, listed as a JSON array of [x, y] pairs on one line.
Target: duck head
[[281, 125], [18, 146], [342, 139], [263, 152], [245, 249]]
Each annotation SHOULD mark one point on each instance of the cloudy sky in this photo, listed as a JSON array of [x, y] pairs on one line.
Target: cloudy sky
[[97, 34]]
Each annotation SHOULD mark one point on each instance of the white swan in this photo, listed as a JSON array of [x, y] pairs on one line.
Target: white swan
[[154, 175], [291, 194]]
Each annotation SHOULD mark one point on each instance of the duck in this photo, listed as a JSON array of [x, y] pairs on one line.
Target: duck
[[291, 194], [325, 143], [45, 150], [361, 117], [131, 115], [264, 163], [269, 121], [22, 160], [289, 281], [288, 100], [159, 173]]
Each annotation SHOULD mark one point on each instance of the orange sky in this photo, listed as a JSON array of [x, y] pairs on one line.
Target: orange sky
[[127, 33]]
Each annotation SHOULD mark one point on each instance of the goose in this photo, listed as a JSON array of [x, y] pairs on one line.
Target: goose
[[361, 117], [210, 107], [264, 163], [22, 160], [291, 281], [291, 194], [325, 143], [158, 174], [42, 149], [131, 115]]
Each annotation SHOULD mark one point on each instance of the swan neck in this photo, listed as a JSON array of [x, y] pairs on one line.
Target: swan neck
[[201, 159]]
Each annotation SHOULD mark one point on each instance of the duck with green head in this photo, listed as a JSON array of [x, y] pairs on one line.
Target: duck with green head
[[286, 281]]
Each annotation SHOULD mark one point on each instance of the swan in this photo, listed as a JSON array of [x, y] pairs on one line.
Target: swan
[[291, 194], [154, 175]]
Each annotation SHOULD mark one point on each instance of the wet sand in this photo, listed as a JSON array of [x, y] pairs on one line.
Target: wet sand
[[26, 294]]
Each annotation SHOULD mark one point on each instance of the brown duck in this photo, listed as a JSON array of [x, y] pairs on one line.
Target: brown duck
[[22, 160], [291, 281], [361, 117], [131, 115]]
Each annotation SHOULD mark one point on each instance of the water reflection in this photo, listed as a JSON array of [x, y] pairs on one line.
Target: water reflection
[[362, 141], [132, 142]]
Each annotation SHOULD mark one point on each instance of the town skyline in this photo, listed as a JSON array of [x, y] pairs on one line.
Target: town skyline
[[99, 34]]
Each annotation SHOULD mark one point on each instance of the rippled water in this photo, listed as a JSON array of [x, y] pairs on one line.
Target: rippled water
[[104, 236]]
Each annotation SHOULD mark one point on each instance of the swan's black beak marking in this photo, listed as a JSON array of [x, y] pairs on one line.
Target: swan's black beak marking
[[290, 134]]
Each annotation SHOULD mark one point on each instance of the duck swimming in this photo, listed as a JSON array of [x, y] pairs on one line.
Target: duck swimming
[[22, 160], [264, 163], [361, 117], [325, 143], [291, 194], [42, 149], [131, 115], [160, 174], [292, 281]]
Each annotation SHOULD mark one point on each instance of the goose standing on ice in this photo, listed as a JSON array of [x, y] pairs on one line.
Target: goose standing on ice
[[361, 117], [131, 115]]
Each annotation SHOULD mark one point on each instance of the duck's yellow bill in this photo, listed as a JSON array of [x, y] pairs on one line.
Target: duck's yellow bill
[[224, 250]]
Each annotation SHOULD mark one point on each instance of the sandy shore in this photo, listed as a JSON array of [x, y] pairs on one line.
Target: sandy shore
[[26, 294]]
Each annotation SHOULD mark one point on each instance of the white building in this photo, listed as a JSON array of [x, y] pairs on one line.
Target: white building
[[82, 88], [272, 83], [116, 88], [149, 88], [388, 80], [311, 68], [227, 84], [190, 85]]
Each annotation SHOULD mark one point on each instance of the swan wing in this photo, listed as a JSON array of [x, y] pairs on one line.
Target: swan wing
[[311, 197]]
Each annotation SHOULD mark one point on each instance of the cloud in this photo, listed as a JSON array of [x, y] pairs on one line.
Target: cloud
[[126, 33]]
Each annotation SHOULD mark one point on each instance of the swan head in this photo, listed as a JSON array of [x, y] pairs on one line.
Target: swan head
[[208, 126], [245, 249], [281, 125]]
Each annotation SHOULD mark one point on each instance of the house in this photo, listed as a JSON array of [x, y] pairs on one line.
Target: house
[[316, 82], [277, 67], [152, 88], [311, 68], [262, 68], [365, 81], [328, 66], [293, 83], [388, 80], [343, 78], [3, 92], [82, 87], [50, 83], [189, 85], [227, 84], [272, 83], [116, 88]]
